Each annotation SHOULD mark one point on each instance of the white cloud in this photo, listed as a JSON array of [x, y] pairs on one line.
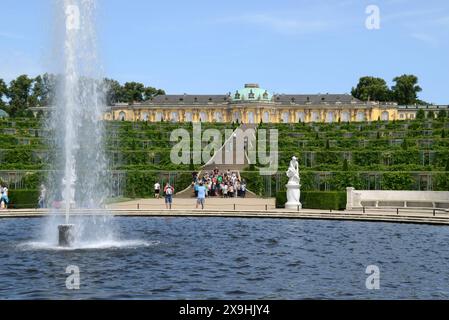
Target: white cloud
[[280, 24], [426, 38]]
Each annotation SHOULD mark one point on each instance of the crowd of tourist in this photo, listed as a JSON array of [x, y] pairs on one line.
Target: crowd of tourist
[[218, 184], [211, 184]]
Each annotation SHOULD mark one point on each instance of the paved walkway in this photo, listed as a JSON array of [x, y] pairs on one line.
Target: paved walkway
[[189, 203]]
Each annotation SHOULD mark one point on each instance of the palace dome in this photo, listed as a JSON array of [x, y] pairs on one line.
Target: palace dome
[[251, 92]]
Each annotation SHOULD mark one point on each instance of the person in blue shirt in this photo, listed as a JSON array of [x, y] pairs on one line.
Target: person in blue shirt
[[201, 196]]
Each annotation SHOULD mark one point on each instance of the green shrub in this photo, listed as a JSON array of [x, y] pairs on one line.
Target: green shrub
[[23, 199], [316, 200]]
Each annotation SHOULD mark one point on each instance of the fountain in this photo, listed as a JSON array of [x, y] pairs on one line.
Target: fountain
[[76, 122]]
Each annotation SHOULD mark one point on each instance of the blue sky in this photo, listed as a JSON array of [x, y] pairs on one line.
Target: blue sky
[[204, 46]]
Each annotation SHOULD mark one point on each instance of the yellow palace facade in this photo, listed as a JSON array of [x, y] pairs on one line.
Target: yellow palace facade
[[253, 104]]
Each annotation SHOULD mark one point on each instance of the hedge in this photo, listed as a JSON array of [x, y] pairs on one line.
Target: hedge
[[316, 200], [23, 199]]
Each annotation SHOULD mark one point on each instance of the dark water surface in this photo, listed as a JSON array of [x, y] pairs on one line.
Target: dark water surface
[[213, 258]]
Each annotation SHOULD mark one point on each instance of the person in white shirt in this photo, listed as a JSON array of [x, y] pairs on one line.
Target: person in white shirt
[[157, 190], [4, 197]]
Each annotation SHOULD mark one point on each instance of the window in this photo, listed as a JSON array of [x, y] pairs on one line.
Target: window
[[300, 116], [385, 116], [266, 117], [203, 116], [330, 117], [361, 116], [188, 117], [265, 95], [251, 95], [237, 96], [145, 116], [285, 117], [345, 116], [122, 116]]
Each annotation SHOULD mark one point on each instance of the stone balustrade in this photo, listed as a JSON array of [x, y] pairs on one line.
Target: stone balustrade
[[358, 199]]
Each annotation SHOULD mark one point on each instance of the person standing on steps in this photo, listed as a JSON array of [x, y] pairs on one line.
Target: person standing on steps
[[168, 190], [201, 196]]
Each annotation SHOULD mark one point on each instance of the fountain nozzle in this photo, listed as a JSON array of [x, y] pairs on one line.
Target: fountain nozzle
[[66, 235]]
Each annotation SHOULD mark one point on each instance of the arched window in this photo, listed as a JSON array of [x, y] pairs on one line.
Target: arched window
[[266, 117], [361, 116], [188, 116], [237, 95], [300, 116], [385, 116], [122, 116], [218, 116], [265, 95], [315, 116], [345, 116], [237, 117], [330, 117], [251, 94], [145, 116], [203, 116], [251, 118], [174, 116], [159, 116], [286, 117]]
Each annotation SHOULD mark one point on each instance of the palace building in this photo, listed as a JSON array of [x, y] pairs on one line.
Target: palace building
[[253, 104]]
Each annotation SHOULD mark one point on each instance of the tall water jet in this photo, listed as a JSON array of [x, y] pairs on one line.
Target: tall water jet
[[76, 122]]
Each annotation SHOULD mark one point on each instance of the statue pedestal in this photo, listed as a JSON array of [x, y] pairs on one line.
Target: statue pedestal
[[293, 196]]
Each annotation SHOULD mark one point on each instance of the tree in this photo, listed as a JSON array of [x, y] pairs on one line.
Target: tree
[[133, 92], [371, 88], [20, 95], [420, 114], [3, 93], [430, 115], [442, 114], [114, 91], [405, 92], [150, 92], [43, 91]]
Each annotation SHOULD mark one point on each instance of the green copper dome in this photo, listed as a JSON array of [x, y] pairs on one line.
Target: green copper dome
[[251, 92]]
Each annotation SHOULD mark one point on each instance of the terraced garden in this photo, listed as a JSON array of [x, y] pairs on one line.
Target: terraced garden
[[378, 155]]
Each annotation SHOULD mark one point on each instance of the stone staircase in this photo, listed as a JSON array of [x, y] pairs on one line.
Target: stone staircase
[[218, 161]]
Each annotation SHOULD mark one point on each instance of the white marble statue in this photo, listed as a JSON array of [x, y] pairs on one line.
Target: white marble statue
[[293, 171], [293, 186]]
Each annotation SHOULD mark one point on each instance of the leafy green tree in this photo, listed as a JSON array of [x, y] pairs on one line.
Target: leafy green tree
[[3, 93], [442, 114], [371, 88], [443, 134], [43, 91], [431, 115], [405, 91], [420, 114], [133, 92], [114, 91], [20, 95], [150, 92]]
